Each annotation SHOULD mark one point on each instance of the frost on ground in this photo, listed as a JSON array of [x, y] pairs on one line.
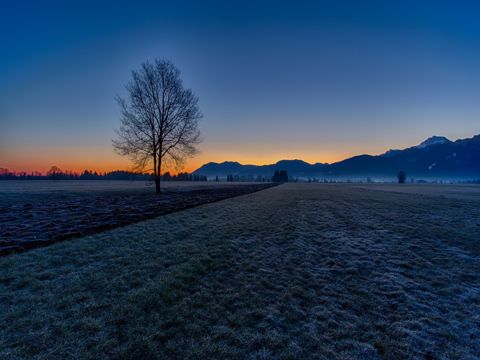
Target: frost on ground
[[296, 271], [31, 219], [455, 191]]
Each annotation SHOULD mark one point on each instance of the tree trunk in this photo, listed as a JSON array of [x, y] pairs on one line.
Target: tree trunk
[[157, 184], [159, 169], [156, 174]]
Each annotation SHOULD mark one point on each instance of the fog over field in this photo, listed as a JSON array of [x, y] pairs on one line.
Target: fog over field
[[465, 192], [295, 271]]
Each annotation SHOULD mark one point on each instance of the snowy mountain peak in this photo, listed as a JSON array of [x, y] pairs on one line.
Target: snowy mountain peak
[[433, 141]]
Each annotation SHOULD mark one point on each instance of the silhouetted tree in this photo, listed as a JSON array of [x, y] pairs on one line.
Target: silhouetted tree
[[167, 176], [159, 122], [280, 176], [54, 173], [402, 176]]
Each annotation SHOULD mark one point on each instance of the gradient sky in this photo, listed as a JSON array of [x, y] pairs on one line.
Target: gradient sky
[[319, 81]]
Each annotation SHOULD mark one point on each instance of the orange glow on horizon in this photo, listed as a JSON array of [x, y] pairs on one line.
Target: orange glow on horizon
[[102, 158], [101, 164]]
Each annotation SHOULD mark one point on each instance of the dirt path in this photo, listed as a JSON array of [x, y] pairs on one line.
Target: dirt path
[[296, 271]]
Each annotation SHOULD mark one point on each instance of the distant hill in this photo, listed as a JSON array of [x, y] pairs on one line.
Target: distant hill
[[436, 157], [298, 167]]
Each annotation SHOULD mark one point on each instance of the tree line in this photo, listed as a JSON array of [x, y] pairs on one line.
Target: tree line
[[55, 173]]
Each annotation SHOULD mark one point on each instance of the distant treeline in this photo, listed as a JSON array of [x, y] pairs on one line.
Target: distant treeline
[[250, 178], [183, 177], [279, 176], [56, 174]]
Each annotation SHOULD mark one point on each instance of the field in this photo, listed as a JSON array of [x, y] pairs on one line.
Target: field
[[40, 213], [292, 272], [81, 186]]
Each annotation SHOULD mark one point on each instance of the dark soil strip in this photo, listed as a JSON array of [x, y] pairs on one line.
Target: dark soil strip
[[45, 219]]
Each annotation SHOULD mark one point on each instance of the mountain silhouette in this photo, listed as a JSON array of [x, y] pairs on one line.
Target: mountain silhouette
[[436, 157]]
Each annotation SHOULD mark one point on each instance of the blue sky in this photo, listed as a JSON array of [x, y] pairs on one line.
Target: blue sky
[[313, 80]]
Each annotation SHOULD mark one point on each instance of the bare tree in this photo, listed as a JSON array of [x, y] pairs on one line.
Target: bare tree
[[159, 122], [55, 173]]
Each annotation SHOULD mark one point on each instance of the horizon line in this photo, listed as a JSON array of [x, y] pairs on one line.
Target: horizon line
[[79, 172]]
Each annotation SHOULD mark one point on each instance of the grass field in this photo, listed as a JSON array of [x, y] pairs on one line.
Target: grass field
[[38, 213], [296, 271], [22, 187]]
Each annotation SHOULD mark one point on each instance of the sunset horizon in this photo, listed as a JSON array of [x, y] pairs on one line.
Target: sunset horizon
[[116, 162]]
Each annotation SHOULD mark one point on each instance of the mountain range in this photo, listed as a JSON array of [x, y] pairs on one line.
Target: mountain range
[[435, 158]]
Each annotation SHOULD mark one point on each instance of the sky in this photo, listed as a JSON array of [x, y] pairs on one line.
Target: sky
[[319, 81]]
